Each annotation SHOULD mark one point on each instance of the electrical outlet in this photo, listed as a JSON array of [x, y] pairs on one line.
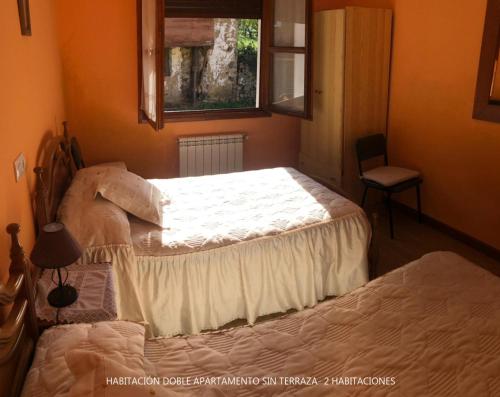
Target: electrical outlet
[[19, 166]]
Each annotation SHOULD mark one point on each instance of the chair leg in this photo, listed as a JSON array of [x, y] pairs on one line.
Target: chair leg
[[391, 221], [364, 197], [419, 205]]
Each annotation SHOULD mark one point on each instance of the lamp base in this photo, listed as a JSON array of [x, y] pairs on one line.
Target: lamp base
[[62, 296]]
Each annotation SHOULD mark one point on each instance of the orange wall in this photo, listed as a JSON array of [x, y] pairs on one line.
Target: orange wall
[[98, 44], [436, 56], [436, 49], [435, 59], [32, 106]]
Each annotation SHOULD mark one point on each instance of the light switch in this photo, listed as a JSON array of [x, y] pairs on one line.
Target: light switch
[[19, 166]]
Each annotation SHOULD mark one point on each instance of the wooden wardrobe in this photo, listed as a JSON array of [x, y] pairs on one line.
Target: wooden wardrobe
[[351, 58]]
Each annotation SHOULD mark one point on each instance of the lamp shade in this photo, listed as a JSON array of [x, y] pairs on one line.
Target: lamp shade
[[55, 247]]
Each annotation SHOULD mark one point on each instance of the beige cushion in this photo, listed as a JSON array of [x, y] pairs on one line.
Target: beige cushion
[[390, 176], [93, 221], [132, 193]]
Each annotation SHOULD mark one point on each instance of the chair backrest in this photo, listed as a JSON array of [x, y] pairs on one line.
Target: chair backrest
[[369, 147]]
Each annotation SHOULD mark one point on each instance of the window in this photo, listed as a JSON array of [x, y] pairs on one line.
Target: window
[[290, 62], [211, 59], [211, 63]]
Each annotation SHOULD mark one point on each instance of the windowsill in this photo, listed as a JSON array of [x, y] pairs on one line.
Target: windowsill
[[204, 115]]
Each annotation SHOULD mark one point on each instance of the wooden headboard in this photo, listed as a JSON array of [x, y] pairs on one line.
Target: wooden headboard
[[53, 179], [19, 329]]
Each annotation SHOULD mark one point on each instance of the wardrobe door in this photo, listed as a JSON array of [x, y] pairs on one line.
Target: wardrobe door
[[367, 64], [322, 138]]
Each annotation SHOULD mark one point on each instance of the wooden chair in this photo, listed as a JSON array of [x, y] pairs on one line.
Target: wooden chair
[[386, 179]]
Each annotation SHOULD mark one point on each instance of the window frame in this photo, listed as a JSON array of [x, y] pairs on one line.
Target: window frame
[[265, 109], [159, 33], [307, 51], [485, 108], [238, 113]]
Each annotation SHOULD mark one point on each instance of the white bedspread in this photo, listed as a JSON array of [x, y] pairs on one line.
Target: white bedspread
[[237, 246], [244, 245], [214, 211], [431, 328]]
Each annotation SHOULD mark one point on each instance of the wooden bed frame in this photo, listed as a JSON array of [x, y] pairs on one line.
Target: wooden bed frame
[[53, 180], [63, 160], [19, 327], [19, 330]]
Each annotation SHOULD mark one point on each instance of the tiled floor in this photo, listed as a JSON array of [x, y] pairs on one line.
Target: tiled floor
[[414, 240]]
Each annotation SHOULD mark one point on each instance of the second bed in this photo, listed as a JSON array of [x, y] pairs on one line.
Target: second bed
[[430, 328], [234, 246]]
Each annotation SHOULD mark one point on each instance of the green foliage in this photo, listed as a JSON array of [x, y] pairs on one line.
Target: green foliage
[[242, 104], [248, 35], [224, 105], [248, 42]]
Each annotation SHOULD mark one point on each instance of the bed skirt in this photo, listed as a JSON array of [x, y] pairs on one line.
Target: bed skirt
[[204, 290]]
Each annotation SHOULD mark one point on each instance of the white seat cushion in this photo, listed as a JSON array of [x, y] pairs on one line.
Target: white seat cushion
[[390, 176]]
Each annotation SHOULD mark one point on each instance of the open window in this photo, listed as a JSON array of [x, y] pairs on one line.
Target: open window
[[216, 59], [487, 101], [150, 47], [290, 58]]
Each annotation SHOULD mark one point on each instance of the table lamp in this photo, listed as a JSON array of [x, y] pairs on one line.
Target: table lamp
[[55, 249]]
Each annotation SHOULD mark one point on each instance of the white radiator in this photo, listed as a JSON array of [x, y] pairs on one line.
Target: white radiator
[[211, 154]]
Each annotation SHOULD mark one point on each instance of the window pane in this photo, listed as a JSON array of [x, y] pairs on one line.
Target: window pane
[[211, 63], [289, 81], [149, 58], [290, 23]]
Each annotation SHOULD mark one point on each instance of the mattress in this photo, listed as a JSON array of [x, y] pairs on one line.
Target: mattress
[[244, 245], [234, 246], [430, 328], [219, 210]]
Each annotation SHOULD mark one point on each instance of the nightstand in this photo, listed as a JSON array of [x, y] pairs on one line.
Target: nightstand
[[96, 296]]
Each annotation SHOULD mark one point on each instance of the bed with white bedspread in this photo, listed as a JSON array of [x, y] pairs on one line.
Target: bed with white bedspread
[[430, 328], [232, 246]]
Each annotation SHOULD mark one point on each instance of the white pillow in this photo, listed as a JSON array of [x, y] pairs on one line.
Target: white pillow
[[93, 222], [52, 367], [132, 193]]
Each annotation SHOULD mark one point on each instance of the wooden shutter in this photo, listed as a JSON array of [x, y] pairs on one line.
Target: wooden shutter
[[290, 62], [150, 46], [249, 9]]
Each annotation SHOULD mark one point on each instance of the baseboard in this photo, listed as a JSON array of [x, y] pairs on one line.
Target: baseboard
[[478, 245]]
